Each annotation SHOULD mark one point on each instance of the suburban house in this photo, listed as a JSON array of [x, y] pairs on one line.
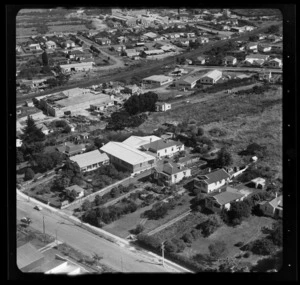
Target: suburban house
[[136, 141], [211, 181], [162, 106], [163, 148], [275, 63], [211, 77], [156, 81], [251, 46], [129, 158], [50, 45], [203, 40], [264, 48], [34, 47], [172, 173], [183, 161], [77, 189], [256, 59], [150, 36], [68, 44], [199, 61], [44, 129], [103, 41], [131, 52], [258, 183], [223, 200], [71, 149], [272, 208], [90, 160], [118, 48], [229, 60]]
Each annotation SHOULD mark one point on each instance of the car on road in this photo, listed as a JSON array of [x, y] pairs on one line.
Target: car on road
[[36, 207], [26, 220]]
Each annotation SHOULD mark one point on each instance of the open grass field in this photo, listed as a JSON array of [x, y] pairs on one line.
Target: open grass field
[[243, 118]]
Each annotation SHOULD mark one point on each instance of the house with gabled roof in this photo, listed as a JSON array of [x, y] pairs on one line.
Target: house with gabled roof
[[79, 191], [70, 149], [229, 60], [273, 208], [90, 160], [211, 181], [171, 173], [223, 200]]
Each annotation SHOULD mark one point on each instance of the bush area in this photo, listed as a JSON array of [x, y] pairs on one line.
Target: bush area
[[255, 90]]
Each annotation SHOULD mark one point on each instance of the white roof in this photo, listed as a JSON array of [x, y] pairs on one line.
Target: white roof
[[276, 59], [159, 78], [154, 51], [136, 142], [89, 158], [214, 74], [150, 35], [126, 153], [77, 64]]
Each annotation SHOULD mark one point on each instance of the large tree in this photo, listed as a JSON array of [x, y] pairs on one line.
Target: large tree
[[141, 103], [224, 158], [31, 133], [45, 58]]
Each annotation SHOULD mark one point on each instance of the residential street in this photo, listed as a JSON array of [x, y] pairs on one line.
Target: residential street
[[121, 258]]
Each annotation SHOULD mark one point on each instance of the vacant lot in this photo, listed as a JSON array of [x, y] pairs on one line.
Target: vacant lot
[[242, 118], [249, 230]]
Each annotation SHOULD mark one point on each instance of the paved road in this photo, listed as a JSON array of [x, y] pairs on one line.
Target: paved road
[[126, 259], [118, 63]]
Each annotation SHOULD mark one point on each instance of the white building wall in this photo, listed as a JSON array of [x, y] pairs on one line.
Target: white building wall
[[169, 151]]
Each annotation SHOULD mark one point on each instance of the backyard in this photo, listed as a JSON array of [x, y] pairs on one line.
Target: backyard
[[248, 230]]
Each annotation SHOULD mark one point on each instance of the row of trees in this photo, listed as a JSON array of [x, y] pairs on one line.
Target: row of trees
[[122, 119], [141, 103]]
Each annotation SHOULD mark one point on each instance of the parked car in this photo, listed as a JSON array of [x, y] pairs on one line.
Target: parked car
[[26, 220], [38, 208]]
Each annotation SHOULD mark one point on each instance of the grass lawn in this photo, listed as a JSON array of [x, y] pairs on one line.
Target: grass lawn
[[122, 226]]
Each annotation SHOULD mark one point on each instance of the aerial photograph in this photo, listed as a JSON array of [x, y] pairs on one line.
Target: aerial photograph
[[149, 140]]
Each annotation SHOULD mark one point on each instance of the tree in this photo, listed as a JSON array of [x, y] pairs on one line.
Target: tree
[[200, 132], [115, 192], [29, 174], [224, 158], [72, 195], [62, 182], [139, 228], [179, 243], [20, 157], [86, 205], [276, 233], [187, 238], [273, 29], [45, 58], [217, 249], [210, 225], [239, 210], [98, 200], [170, 246], [31, 133], [97, 258], [263, 246]]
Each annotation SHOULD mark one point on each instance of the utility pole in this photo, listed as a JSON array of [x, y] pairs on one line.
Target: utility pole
[[163, 255], [44, 228]]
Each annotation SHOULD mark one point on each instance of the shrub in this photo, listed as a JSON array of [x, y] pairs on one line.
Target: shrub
[[262, 247], [29, 174], [246, 254], [239, 244], [187, 238]]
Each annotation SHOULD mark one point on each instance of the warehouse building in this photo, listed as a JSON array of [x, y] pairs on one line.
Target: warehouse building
[[82, 66], [211, 77], [128, 158], [73, 100], [156, 81], [188, 82]]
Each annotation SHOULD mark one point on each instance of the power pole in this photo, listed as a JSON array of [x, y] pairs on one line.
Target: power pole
[[163, 255], [44, 228]]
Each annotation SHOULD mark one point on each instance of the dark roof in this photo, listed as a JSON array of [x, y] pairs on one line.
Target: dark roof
[[214, 176], [173, 168], [227, 197], [161, 144], [70, 148]]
